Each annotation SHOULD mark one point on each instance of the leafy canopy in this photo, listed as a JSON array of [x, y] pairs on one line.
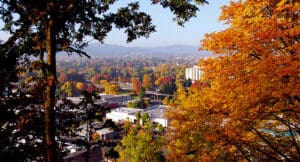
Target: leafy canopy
[[250, 109]]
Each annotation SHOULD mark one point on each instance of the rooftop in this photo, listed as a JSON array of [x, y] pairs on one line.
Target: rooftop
[[157, 111], [104, 131]]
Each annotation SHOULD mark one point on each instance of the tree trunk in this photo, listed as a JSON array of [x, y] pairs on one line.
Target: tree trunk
[[51, 147]]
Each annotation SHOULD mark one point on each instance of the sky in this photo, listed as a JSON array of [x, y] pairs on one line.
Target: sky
[[167, 31]]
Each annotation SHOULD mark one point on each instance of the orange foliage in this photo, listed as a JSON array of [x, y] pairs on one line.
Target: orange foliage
[[147, 82], [199, 85], [80, 86], [164, 80], [95, 136], [136, 85], [251, 109]]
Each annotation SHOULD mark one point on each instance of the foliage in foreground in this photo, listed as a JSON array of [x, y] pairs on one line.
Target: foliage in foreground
[[250, 111], [140, 144]]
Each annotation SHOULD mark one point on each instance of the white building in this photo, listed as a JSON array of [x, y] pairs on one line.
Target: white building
[[122, 114], [105, 133], [156, 114], [76, 100], [193, 73]]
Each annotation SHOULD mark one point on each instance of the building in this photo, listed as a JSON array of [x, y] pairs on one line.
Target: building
[[114, 98], [106, 133], [156, 114], [103, 98], [75, 100], [95, 154], [193, 73]]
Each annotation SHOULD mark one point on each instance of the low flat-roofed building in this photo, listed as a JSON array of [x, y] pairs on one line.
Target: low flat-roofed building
[[156, 114], [106, 133], [76, 100], [123, 113], [114, 98]]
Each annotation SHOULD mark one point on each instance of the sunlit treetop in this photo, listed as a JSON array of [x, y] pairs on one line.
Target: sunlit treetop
[[250, 109]]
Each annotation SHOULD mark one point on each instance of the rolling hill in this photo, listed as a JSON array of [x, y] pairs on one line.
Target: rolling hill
[[106, 50]]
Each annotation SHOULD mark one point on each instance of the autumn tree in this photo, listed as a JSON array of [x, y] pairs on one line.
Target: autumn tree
[[103, 82], [193, 134], [179, 95], [136, 85], [111, 88], [80, 86], [198, 84], [163, 70], [148, 81], [91, 88], [180, 78], [166, 101], [53, 26], [62, 77], [250, 109], [67, 88], [96, 79]]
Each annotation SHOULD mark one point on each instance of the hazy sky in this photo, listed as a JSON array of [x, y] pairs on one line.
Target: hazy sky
[[167, 31]]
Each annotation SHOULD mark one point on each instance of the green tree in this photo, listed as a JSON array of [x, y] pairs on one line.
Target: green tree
[[145, 118], [140, 146], [54, 26], [146, 102], [138, 117], [133, 103], [160, 128], [141, 93]]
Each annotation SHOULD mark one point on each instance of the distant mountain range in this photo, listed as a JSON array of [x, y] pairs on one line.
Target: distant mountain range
[[106, 50]]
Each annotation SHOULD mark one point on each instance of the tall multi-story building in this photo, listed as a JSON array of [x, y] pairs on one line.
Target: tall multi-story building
[[193, 73]]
